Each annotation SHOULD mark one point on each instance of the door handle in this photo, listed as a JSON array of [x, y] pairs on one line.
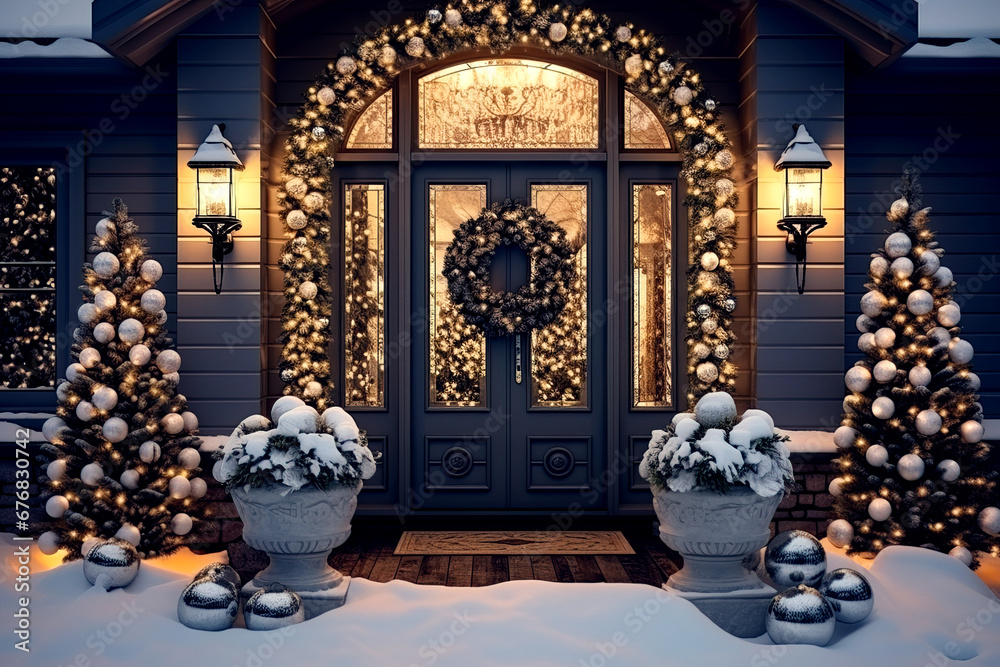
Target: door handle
[[517, 359]]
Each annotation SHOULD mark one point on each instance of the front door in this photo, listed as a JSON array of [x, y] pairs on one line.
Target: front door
[[515, 422]]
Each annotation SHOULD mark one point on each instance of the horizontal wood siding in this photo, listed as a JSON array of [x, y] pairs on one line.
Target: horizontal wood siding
[[898, 117]]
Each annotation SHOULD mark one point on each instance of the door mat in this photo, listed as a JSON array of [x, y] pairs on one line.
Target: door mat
[[512, 543]]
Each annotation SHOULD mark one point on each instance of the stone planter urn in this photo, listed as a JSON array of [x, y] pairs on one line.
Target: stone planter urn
[[715, 533], [298, 531]]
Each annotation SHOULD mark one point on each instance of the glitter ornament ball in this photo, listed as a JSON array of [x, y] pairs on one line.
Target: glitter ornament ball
[[319, 132], [131, 331], [313, 389], [972, 431], [929, 262], [92, 474], [56, 505], [721, 351], [840, 532], [844, 437], [307, 290], [208, 604], [911, 467], [88, 313], [153, 301], [273, 608], [960, 351], [949, 315], [115, 559], [962, 554], [710, 105], [296, 187], [928, 422], [707, 372], [879, 266], [172, 423], [313, 201], [724, 217], [899, 209], [433, 16], [858, 378], [104, 398], [105, 299], [181, 524], [683, 96], [326, 96], [724, 187], [709, 326], [920, 302], [149, 452], [919, 376], [884, 371], [168, 361], [623, 33], [709, 261], [877, 455], [989, 520], [115, 429], [106, 264], [415, 47], [849, 593], [949, 470], [729, 305], [873, 303], [452, 18], [800, 615], [557, 32], [296, 219], [665, 68], [387, 56], [139, 355], [346, 65], [633, 65], [901, 267], [897, 245], [703, 310], [90, 357], [104, 332], [151, 271], [700, 351], [885, 338], [725, 158], [879, 509], [795, 557], [883, 407]]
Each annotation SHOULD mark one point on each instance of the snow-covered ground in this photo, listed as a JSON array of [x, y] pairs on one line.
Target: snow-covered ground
[[928, 608]]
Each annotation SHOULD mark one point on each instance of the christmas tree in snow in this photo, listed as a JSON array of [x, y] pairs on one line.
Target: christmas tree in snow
[[123, 456], [914, 469]]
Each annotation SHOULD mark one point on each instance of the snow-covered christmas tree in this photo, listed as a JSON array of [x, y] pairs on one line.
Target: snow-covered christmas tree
[[914, 470], [123, 456]]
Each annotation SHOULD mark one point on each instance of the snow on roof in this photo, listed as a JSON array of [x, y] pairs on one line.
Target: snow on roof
[[977, 47], [958, 18], [28, 19], [66, 47]]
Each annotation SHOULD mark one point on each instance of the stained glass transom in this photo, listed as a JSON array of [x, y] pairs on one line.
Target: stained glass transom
[[643, 130], [373, 130]]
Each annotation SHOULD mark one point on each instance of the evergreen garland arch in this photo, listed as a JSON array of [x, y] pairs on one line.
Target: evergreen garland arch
[[365, 70]]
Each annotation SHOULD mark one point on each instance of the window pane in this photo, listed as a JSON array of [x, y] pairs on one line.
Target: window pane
[[364, 294], [651, 363], [373, 131], [27, 277], [559, 351], [458, 349], [643, 130], [508, 103]]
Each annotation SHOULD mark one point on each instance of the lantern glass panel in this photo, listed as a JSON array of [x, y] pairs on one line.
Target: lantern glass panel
[[215, 192], [804, 191]]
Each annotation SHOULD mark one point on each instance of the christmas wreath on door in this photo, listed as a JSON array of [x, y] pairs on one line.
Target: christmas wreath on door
[[470, 255]]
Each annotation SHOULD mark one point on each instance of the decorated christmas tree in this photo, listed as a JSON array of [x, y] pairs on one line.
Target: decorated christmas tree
[[123, 456], [459, 357], [560, 349], [914, 470]]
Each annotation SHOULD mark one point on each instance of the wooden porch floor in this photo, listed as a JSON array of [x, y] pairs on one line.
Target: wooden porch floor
[[368, 554]]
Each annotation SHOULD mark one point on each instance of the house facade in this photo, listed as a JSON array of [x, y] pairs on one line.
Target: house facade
[[553, 418]]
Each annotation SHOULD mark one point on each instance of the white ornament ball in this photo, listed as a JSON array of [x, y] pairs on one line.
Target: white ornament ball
[[85, 411], [885, 371], [633, 65], [139, 355], [104, 226], [962, 554], [709, 326], [346, 65], [283, 405], [715, 409], [800, 615], [296, 187], [190, 420], [189, 458], [199, 487], [161, 317], [115, 429], [683, 96], [149, 451], [623, 33], [929, 262], [879, 266], [129, 533], [897, 245], [131, 331], [858, 378], [928, 422], [840, 533], [974, 382], [836, 487], [90, 357], [56, 505], [208, 604], [725, 159], [88, 313], [795, 557], [153, 301], [104, 398], [885, 338], [899, 209], [181, 524], [106, 264], [557, 32], [104, 332], [911, 467], [920, 376], [313, 201], [62, 391], [52, 430], [313, 389], [48, 542], [700, 351], [724, 187], [709, 261], [920, 302], [901, 267], [92, 474], [105, 299], [877, 455], [989, 520], [151, 271], [844, 437], [115, 562], [269, 610], [168, 361], [307, 290], [960, 351], [943, 277], [130, 479], [172, 423], [387, 56], [179, 487], [296, 219], [850, 594], [879, 509], [415, 47], [873, 303], [883, 407], [56, 470], [724, 217], [326, 96], [949, 315], [453, 18], [949, 470], [866, 343], [707, 372], [972, 431]]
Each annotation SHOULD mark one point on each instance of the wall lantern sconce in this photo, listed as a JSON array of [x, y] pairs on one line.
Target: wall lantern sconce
[[215, 161], [803, 162]]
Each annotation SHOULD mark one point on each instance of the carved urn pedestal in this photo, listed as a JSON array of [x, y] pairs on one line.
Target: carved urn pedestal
[[715, 533], [298, 531]]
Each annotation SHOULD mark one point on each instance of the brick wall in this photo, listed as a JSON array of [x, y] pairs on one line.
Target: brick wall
[[807, 508]]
